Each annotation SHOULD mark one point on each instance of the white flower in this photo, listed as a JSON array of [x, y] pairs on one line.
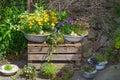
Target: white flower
[[73, 34]]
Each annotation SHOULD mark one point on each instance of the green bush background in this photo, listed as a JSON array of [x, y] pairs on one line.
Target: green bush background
[[11, 42]]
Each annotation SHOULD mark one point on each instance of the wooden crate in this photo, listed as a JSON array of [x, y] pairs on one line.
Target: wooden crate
[[65, 54]]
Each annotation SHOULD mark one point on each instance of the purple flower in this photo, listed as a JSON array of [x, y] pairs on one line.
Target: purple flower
[[60, 24], [60, 74], [69, 20]]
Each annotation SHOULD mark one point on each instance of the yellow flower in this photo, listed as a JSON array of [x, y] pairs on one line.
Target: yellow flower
[[30, 27], [46, 19], [45, 12], [37, 19], [53, 24], [30, 23], [54, 19], [40, 23], [30, 18], [52, 14], [21, 16], [41, 19], [41, 27]]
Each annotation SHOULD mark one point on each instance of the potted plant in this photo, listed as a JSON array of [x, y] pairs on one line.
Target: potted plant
[[64, 73], [88, 72], [48, 70], [37, 25], [92, 61], [29, 71], [71, 31], [102, 61], [9, 69]]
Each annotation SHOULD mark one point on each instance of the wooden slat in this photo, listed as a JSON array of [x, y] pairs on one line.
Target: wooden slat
[[58, 65], [38, 49], [65, 45], [62, 57], [57, 49]]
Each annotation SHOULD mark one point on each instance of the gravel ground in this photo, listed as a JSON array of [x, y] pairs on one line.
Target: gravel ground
[[109, 73]]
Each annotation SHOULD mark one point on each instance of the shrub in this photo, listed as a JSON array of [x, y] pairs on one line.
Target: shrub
[[29, 71], [10, 41], [64, 74], [48, 70]]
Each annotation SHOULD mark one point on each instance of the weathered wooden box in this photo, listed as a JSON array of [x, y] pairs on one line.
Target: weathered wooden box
[[65, 54]]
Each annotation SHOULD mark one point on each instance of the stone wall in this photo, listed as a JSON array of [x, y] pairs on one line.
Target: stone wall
[[96, 14]]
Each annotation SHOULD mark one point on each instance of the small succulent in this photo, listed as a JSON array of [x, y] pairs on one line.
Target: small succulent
[[8, 67], [29, 71]]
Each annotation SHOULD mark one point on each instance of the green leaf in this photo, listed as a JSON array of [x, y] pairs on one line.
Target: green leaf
[[0, 38], [2, 25]]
